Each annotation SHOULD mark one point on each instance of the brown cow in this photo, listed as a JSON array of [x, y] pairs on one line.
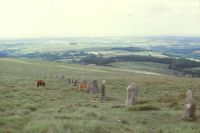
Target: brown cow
[[82, 86], [40, 83]]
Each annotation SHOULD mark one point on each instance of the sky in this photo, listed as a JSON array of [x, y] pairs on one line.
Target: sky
[[89, 18]]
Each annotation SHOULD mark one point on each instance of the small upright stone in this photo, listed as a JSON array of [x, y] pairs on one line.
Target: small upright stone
[[103, 97], [189, 111], [75, 83], [69, 81], [94, 87], [131, 95], [72, 79]]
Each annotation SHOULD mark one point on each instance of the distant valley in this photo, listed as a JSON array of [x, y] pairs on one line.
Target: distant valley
[[181, 54]]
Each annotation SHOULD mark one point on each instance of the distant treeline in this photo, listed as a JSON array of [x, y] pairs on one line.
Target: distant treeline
[[7, 53], [191, 72], [129, 49], [93, 59], [179, 64], [4, 53], [173, 62], [54, 56]]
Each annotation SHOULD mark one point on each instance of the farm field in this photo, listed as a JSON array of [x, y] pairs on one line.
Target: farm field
[[147, 53], [59, 107]]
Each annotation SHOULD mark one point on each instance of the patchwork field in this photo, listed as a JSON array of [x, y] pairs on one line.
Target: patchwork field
[[59, 107]]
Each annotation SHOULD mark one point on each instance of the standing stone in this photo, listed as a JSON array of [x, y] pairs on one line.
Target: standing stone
[[62, 76], [75, 83], [131, 95], [88, 87], [69, 80], [103, 97], [189, 111], [72, 81], [94, 87]]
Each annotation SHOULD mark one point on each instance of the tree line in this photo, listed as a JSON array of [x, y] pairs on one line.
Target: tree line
[[179, 64]]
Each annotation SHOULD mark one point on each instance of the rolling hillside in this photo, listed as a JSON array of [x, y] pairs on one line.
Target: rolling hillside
[[59, 107]]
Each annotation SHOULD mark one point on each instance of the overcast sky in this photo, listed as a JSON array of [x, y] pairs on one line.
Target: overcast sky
[[64, 18]]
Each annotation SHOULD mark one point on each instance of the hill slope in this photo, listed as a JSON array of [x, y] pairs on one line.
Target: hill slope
[[61, 108]]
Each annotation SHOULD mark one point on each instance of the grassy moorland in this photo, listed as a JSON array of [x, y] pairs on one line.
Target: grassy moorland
[[61, 108], [145, 66]]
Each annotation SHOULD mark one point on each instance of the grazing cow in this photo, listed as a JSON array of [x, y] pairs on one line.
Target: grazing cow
[[82, 86], [40, 83]]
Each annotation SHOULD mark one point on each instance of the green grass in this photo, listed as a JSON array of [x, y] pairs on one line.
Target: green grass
[[144, 66], [143, 108], [61, 108]]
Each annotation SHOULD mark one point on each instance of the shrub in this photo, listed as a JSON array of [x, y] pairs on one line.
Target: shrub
[[142, 101]]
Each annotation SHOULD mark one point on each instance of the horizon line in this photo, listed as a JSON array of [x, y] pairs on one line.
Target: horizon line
[[62, 37]]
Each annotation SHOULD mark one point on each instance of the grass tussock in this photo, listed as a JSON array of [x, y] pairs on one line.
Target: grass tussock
[[171, 101], [143, 101], [62, 117], [117, 106], [2, 109], [123, 121], [92, 114], [37, 127], [91, 105], [146, 107], [166, 98], [31, 107], [182, 95], [172, 104]]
